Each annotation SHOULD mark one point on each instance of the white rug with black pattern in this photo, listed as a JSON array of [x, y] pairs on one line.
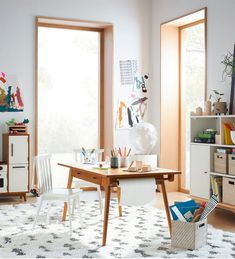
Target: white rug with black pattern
[[141, 232]]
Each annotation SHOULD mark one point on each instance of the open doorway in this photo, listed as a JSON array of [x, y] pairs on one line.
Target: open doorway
[[192, 86], [183, 86]]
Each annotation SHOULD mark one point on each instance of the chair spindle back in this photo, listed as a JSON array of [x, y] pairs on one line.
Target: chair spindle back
[[43, 170]]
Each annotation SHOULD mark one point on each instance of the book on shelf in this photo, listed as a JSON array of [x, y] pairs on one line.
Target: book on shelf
[[216, 186]]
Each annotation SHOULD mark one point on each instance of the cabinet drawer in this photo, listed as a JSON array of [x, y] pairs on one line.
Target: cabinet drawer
[[18, 178], [89, 178]]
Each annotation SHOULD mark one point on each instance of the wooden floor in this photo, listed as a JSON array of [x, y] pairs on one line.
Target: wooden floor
[[219, 218]]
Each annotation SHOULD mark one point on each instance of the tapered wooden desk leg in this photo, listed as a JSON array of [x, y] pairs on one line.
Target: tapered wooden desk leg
[[69, 186], [164, 194], [119, 199], [106, 213]]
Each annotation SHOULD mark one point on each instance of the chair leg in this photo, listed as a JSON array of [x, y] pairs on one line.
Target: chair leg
[[79, 210], [38, 211], [74, 205], [70, 217], [100, 200], [48, 213]]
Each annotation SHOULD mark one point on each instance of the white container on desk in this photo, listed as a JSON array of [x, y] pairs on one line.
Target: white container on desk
[[146, 159], [124, 161]]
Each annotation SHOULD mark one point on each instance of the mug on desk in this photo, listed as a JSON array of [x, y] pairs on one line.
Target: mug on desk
[[124, 161], [114, 162]]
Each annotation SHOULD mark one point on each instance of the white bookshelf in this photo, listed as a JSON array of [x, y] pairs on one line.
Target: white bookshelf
[[202, 156]]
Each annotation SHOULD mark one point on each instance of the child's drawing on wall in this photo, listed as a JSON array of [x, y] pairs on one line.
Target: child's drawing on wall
[[10, 94]]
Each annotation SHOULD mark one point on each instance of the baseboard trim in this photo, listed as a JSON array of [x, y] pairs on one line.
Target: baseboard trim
[[184, 190]]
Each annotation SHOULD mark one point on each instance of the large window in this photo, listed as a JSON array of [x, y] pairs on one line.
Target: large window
[[68, 93]]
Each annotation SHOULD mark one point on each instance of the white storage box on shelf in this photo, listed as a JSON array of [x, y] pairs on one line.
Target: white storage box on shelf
[[229, 190], [220, 163], [231, 164], [189, 235]]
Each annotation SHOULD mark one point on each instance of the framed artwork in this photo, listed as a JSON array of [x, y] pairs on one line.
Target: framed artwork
[[10, 94]]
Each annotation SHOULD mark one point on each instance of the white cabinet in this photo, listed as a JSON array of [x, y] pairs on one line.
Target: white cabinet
[[200, 167], [16, 155], [18, 150]]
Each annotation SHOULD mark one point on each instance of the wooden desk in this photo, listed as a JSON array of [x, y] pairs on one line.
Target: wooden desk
[[109, 178]]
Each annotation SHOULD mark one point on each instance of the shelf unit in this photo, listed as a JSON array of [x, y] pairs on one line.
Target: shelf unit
[[202, 156]]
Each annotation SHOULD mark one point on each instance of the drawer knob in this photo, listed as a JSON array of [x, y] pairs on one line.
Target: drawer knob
[[1, 168], [205, 172]]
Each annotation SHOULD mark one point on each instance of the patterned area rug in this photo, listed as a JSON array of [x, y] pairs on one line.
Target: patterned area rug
[[141, 232]]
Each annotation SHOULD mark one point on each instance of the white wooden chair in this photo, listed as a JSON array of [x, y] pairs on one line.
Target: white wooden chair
[[47, 192], [78, 183]]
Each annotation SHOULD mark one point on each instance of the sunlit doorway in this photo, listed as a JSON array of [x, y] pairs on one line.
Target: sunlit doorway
[[183, 66], [192, 85]]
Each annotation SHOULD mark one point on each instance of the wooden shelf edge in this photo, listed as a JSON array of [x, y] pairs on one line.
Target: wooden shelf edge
[[213, 145], [212, 116], [220, 205], [223, 175]]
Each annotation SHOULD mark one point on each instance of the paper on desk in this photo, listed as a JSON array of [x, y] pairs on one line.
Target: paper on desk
[[137, 191]]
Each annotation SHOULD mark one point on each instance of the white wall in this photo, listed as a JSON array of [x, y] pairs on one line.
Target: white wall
[[220, 40], [131, 22]]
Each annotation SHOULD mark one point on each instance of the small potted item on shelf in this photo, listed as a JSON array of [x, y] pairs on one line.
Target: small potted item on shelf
[[207, 108], [198, 111], [218, 106]]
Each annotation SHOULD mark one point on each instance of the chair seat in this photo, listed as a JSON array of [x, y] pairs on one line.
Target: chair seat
[[61, 193]]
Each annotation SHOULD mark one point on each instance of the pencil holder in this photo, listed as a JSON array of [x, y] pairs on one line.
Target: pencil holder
[[124, 161], [114, 162]]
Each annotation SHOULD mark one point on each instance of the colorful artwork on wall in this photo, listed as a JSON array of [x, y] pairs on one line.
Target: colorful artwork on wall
[[10, 94]]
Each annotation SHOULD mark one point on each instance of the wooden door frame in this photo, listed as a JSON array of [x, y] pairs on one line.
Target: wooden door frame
[[178, 130]]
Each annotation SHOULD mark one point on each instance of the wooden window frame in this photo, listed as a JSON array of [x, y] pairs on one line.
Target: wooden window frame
[[103, 78]]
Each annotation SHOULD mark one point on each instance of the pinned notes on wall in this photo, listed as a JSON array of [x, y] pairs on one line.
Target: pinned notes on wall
[[10, 94], [128, 69], [132, 102]]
